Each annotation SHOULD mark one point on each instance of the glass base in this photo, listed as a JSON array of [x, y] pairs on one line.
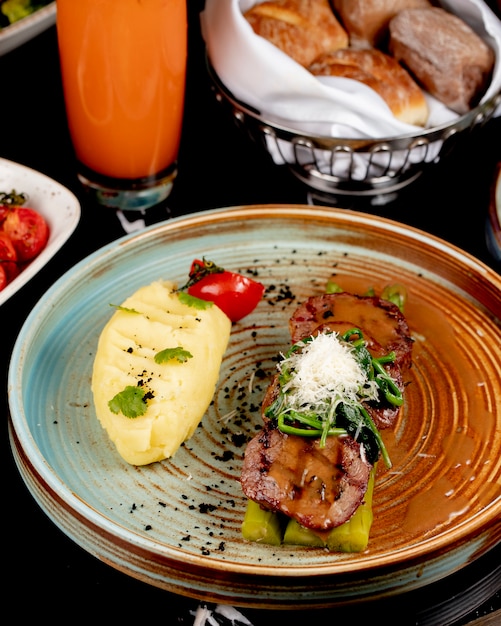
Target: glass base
[[128, 194]]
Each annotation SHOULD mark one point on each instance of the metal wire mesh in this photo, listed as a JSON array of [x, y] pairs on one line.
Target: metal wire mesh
[[351, 166]]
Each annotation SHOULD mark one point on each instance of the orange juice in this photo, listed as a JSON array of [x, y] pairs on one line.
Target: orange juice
[[123, 65]]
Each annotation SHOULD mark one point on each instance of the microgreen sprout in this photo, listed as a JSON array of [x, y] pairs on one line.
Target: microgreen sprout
[[336, 412]]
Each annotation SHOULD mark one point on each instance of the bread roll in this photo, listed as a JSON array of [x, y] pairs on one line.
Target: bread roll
[[444, 54], [302, 29], [383, 74], [367, 20]]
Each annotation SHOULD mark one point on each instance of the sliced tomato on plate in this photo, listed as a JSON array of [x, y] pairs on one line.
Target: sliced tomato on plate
[[24, 233], [27, 230], [4, 281], [4, 211], [235, 294], [8, 260]]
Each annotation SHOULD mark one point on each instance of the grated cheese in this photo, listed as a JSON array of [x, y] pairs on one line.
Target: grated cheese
[[325, 370]]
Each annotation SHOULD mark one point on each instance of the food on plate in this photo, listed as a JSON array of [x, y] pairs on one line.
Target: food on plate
[[383, 74], [303, 29], [366, 21], [264, 526], [158, 359], [380, 317], [27, 230], [24, 233], [12, 11], [9, 268], [155, 370], [311, 467], [237, 295], [444, 54]]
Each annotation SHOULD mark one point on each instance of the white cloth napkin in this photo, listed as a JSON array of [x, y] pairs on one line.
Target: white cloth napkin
[[263, 77]]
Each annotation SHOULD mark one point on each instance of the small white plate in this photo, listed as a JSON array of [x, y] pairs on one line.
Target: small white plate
[[22, 31], [55, 203]]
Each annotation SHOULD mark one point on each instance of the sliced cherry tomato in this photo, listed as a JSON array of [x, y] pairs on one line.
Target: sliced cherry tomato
[[236, 295], [8, 200], [8, 258], [4, 211], [3, 278], [27, 230]]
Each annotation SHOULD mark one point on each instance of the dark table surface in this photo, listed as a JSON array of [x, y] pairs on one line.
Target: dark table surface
[[49, 576]]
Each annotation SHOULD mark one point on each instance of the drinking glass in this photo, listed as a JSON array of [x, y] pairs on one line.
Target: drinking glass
[[123, 68]]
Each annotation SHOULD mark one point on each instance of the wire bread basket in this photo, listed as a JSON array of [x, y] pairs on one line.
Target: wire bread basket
[[341, 166]]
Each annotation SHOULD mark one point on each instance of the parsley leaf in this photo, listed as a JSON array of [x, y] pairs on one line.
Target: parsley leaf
[[169, 354], [130, 402], [118, 307], [196, 303]]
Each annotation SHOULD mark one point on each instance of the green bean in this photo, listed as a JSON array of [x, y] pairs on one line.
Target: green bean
[[396, 294], [333, 287], [385, 382]]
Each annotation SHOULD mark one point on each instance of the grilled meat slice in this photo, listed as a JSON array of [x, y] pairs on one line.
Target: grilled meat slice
[[383, 325], [376, 318], [319, 487]]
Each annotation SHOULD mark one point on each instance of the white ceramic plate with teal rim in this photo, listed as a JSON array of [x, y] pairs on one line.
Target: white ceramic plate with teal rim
[[57, 204], [176, 524], [26, 28]]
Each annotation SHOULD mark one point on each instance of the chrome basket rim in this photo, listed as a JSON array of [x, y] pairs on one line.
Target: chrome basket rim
[[265, 130]]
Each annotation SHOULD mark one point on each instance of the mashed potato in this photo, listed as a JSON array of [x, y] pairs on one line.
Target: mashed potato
[[156, 367]]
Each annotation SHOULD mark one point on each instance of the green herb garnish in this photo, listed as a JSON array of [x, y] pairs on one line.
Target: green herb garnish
[[199, 270], [196, 303], [396, 294], [171, 354], [339, 409], [130, 402], [333, 287], [119, 307]]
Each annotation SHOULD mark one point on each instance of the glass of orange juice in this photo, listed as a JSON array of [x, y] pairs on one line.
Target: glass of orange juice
[[123, 67]]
